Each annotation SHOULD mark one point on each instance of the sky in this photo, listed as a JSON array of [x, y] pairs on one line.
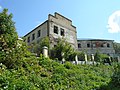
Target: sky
[[96, 19]]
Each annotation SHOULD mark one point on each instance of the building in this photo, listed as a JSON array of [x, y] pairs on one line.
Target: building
[[57, 26], [90, 46]]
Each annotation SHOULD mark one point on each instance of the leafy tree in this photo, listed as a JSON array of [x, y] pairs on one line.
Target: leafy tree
[[63, 47], [117, 48], [8, 34], [12, 49], [81, 55], [97, 56], [8, 37]]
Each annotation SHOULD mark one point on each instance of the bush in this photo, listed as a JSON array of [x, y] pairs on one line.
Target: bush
[[44, 73], [116, 76]]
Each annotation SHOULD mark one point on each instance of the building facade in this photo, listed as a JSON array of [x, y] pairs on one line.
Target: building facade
[[91, 46], [57, 26]]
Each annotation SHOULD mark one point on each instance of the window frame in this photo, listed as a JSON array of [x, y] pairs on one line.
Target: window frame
[[33, 36], [108, 45], [38, 33], [88, 45], [55, 29], [28, 39], [62, 32], [79, 45]]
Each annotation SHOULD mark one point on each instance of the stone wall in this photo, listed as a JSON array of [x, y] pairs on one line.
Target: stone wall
[[62, 23], [47, 29], [42, 29]]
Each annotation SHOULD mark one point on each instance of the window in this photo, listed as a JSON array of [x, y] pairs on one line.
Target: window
[[62, 31], [28, 40], [56, 29], [108, 45], [33, 36], [25, 40], [38, 33], [88, 45], [102, 45], [79, 45], [55, 45]]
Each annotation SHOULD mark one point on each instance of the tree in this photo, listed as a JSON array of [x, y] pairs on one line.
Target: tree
[[11, 49], [81, 55], [63, 47], [8, 34], [97, 56], [117, 48]]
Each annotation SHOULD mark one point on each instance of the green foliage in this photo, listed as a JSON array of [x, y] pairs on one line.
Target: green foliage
[[97, 57], [117, 48], [81, 56], [114, 83], [63, 47], [116, 76], [12, 49], [38, 47], [100, 57], [8, 39], [103, 56], [8, 34], [45, 74]]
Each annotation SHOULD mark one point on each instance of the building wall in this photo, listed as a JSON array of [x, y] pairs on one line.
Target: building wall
[[47, 29], [43, 28], [62, 23], [91, 46], [69, 34]]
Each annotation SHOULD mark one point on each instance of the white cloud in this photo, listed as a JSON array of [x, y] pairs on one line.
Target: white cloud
[[114, 22], [0, 7]]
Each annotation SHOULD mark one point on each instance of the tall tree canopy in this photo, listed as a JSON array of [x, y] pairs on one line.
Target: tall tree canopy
[[8, 38], [8, 34]]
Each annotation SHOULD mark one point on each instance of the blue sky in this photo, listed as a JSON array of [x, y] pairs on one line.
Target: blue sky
[[99, 19]]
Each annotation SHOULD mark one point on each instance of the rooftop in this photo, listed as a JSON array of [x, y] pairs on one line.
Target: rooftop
[[90, 39]]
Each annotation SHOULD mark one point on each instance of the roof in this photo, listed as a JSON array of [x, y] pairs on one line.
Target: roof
[[35, 28], [89, 39]]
